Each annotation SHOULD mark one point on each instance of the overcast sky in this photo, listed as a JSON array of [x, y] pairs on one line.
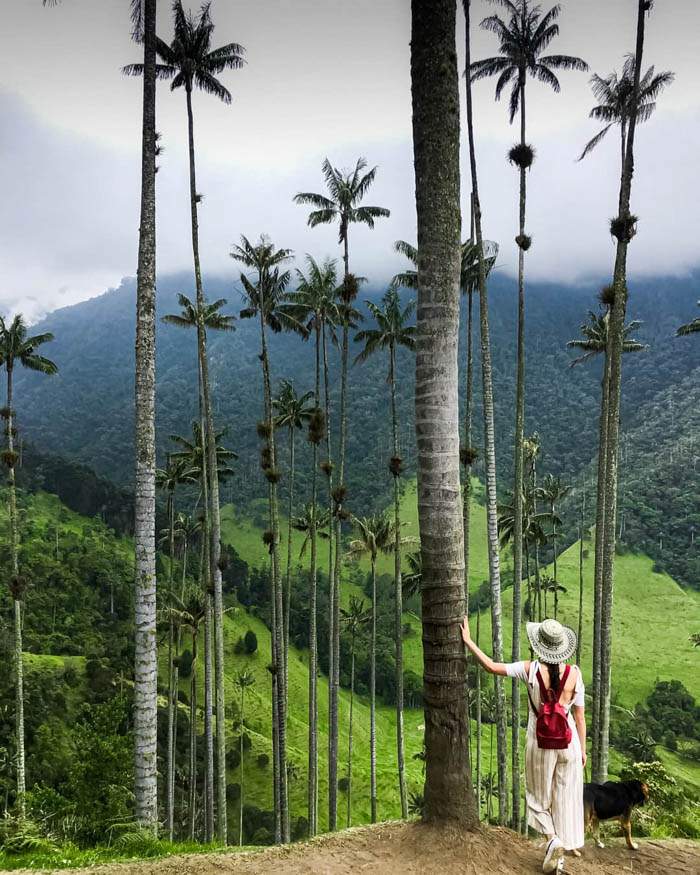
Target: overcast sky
[[324, 77]]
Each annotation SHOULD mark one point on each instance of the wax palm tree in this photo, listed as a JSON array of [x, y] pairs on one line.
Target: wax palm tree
[[622, 227], [553, 491], [376, 535], [524, 36], [691, 328], [244, 680], [293, 412], [265, 298], [190, 612], [346, 189], [391, 332], [354, 617], [614, 95], [143, 14], [168, 479], [18, 349], [592, 343], [312, 520], [189, 62], [316, 307]]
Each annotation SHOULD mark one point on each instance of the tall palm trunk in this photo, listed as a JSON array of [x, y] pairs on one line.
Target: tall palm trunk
[[208, 807], [614, 349], [312, 802], [278, 614], [16, 588], [288, 581], [332, 777], [518, 489], [398, 592], [275, 714], [352, 696], [580, 576], [145, 654], [193, 741], [215, 517], [554, 548], [176, 671], [372, 698], [490, 463], [434, 85], [208, 723], [240, 751], [598, 572], [478, 722], [172, 701]]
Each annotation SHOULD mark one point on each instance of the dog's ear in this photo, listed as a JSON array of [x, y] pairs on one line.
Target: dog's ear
[[645, 792]]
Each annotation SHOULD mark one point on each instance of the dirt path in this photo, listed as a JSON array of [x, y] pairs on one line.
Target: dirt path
[[417, 849]]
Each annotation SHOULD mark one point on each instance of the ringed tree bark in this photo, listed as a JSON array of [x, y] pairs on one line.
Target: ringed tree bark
[[435, 93]]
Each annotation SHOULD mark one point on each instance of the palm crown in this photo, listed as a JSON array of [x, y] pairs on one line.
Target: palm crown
[[189, 59], [469, 270], [207, 316], [315, 304], [293, 410], [523, 38], [17, 346], [376, 535], [615, 96], [595, 338], [269, 289], [391, 330], [346, 189], [190, 452]]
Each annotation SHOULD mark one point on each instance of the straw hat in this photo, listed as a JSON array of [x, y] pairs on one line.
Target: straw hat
[[551, 641]]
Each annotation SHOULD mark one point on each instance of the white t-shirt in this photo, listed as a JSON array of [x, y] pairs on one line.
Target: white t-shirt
[[517, 670]]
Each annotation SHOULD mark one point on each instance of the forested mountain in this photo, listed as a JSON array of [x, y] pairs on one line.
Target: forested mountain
[[86, 411]]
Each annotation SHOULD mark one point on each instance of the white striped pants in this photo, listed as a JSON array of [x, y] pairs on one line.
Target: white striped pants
[[554, 781]]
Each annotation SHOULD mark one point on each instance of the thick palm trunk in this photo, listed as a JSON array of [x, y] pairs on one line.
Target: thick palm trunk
[[598, 571], [434, 85], [145, 655], [16, 588], [278, 615], [489, 461], [518, 491], [372, 699], [615, 349], [352, 696], [215, 517], [398, 594], [275, 715], [312, 799], [332, 777]]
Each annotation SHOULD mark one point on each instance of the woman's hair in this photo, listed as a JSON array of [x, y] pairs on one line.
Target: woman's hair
[[553, 675]]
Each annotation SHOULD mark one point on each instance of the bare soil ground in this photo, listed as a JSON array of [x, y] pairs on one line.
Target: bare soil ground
[[416, 848]]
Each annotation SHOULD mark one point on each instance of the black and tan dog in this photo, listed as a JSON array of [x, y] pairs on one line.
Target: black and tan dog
[[613, 800]]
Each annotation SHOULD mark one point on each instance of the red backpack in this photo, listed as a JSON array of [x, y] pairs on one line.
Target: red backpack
[[552, 726]]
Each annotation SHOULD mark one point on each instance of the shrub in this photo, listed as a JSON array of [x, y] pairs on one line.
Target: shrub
[[670, 741], [344, 784], [233, 792], [233, 757], [250, 641], [184, 664], [263, 760]]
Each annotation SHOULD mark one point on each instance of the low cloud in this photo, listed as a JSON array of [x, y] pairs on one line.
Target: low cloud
[[70, 207]]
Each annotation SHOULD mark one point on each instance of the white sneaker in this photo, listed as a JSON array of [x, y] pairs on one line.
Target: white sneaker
[[553, 857]]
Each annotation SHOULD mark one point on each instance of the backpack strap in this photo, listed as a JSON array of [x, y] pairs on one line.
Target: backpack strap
[[545, 694]]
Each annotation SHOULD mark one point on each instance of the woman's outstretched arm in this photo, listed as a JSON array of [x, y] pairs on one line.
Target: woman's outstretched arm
[[484, 661]]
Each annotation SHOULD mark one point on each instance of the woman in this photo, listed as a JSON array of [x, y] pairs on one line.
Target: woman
[[554, 778]]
